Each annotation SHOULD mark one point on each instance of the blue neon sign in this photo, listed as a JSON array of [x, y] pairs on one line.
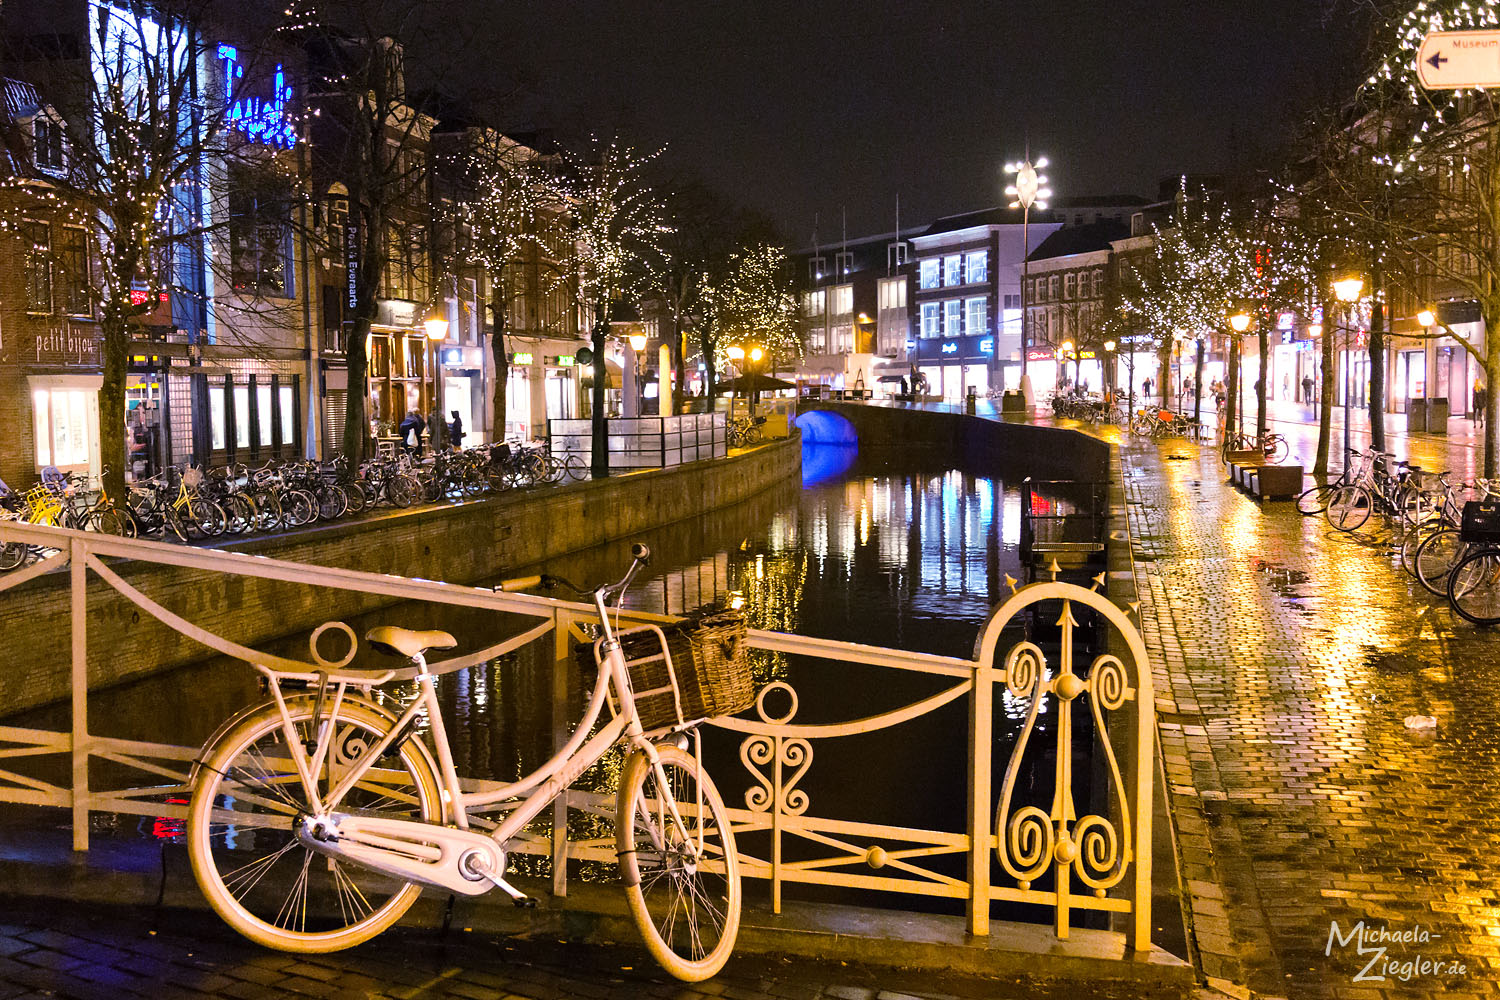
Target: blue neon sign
[[257, 119], [950, 348], [987, 345]]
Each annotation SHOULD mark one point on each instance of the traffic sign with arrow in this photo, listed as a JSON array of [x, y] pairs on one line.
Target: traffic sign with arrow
[[1459, 60]]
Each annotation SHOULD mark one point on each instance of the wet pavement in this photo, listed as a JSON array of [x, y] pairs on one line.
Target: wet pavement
[[1287, 657], [93, 953]]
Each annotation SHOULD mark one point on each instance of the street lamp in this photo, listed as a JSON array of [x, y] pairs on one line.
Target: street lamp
[[1427, 319], [1239, 321], [1066, 349], [638, 348], [1348, 291], [1030, 188], [1109, 367]]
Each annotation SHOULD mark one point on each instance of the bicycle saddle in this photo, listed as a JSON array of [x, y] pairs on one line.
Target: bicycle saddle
[[407, 643]]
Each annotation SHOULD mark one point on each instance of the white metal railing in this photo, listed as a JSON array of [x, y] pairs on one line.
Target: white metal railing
[[1093, 861]]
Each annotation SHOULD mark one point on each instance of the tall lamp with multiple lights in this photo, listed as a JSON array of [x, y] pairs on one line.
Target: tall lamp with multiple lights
[[1348, 290], [1030, 188], [436, 328]]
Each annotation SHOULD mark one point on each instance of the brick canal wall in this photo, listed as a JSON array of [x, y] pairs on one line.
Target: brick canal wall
[[466, 543], [978, 443]]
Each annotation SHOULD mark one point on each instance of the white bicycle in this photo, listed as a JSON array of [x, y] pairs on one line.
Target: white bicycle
[[318, 816]]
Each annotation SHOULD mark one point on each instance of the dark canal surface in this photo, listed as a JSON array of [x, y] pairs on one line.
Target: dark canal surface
[[876, 548]]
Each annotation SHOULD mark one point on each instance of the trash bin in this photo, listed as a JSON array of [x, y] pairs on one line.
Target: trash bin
[[1416, 414], [1437, 415], [1013, 401], [971, 401]]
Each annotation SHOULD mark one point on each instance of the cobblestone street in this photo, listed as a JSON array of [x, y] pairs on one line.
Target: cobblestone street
[[91, 953], [1287, 658]]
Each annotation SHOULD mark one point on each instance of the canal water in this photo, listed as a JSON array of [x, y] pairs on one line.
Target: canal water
[[883, 548]]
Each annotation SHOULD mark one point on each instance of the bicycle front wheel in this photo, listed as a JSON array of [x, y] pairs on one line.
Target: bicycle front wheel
[[248, 861], [1349, 508], [1315, 500], [1474, 587], [682, 882], [1435, 559]]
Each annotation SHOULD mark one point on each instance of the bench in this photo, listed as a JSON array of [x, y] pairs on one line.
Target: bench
[[1249, 471], [1276, 482]]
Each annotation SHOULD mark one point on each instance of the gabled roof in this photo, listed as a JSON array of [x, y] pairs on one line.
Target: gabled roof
[[1089, 238]]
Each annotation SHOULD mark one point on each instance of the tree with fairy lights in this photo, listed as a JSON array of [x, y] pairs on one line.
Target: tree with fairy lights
[[615, 226], [758, 305], [142, 151], [1215, 259], [1423, 179], [514, 224]]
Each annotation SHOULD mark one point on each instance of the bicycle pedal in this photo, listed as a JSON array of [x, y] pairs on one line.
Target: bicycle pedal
[[524, 903]]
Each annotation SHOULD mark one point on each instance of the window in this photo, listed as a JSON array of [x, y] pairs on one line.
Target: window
[[1012, 302], [976, 266], [843, 300], [845, 263], [895, 255], [1052, 288], [812, 302], [37, 237], [953, 311], [73, 271], [929, 320], [398, 264], [816, 268], [1068, 286], [335, 221], [928, 274], [893, 294], [951, 266], [64, 421], [1035, 289], [259, 234], [976, 316], [47, 144], [264, 412], [417, 261], [1098, 283], [288, 414]]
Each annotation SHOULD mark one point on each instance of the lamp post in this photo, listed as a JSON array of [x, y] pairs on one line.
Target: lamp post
[[1239, 322], [638, 350], [1348, 291], [1065, 351], [736, 354], [1109, 370], [1427, 319], [436, 328], [754, 356], [1198, 385], [1029, 189]]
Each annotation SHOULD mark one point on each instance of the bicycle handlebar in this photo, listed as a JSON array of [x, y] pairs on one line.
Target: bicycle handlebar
[[640, 556]]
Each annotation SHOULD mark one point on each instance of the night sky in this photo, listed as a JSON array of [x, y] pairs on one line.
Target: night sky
[[807, 107]]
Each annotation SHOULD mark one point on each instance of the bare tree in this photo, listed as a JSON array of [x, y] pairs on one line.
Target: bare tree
[[142, 145]]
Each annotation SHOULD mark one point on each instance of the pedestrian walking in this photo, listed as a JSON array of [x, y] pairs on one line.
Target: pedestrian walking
[[411, 430], [1481, 402], [1146, 387], [456, 431], [1307, 389]]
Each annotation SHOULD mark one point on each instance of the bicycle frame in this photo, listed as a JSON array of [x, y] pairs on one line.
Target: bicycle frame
[[535, 791]]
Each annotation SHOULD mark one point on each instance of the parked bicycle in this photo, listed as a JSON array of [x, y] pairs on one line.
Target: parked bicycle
[[317, 817]]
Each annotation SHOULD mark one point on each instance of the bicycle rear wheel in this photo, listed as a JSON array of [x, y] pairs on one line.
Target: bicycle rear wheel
[[1474, 587], [248, 861], [684, 892]]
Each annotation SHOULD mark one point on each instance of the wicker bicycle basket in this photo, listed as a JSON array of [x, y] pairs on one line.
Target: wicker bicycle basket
[[704, 656]]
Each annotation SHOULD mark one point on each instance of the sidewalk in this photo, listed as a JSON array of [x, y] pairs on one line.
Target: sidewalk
[[1287, 657]]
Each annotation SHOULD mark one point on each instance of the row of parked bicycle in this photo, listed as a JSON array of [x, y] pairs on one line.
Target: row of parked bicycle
[[194, 504], [1158, 422], [1447, 531]]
